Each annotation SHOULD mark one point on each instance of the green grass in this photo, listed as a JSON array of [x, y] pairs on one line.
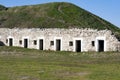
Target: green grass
[[50, 15], [29, 64]]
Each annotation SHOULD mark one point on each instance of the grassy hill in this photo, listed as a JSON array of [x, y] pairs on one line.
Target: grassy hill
[[29, 64], [52, 15]]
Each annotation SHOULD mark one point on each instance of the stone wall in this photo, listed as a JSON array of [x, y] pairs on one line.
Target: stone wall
[[87, 36]]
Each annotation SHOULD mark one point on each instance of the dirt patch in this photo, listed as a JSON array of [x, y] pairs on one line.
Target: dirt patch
[[27, 78], [71, 74]]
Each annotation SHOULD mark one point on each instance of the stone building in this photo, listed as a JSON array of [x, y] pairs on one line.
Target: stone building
[[77, 40]]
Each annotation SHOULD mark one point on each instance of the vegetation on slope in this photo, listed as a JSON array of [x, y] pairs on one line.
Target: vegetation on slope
[[29, 64], [2, 8], [53, 15]]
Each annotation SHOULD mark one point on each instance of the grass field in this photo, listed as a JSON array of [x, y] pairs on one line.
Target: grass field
[[29, 64]]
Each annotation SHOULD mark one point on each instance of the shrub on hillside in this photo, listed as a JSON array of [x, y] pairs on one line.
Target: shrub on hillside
[[2, 7]]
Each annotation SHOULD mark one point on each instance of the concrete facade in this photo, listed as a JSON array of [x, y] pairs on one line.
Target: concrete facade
[[77, 40]]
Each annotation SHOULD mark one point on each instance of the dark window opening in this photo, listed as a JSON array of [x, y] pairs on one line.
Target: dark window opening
[[93, 43], [25, 43], [6, 40], [35, 42], [10, 42], [51, 43], [100, 45], [70, 43], [41, 44], [58, 45], [20, 42], [78, 45]]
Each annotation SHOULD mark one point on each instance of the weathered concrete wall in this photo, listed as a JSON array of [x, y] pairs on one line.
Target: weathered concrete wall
[[66, 35]]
